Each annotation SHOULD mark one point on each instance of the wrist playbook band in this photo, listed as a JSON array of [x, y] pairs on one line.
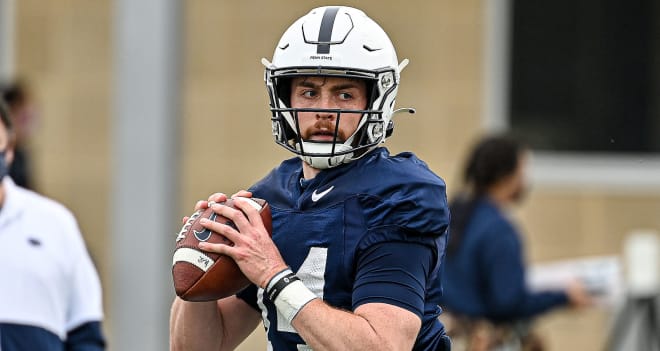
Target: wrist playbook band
[[288, 293], [277, 277], [280, 284]]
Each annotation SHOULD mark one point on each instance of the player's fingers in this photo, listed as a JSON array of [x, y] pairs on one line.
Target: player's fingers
[[217, 248], [217, 197], [242, 193], [233, 215], [230, 232], [184, 219], [201, 204], [248, 207]]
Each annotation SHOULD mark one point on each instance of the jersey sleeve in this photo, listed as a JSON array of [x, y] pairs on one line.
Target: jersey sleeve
[[417, 204], [395, 273]]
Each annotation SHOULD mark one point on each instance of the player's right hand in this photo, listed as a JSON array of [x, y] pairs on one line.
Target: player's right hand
[[215, 197], [242, 193]]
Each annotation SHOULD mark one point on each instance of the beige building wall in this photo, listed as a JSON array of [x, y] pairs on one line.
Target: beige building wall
[[64, 51]]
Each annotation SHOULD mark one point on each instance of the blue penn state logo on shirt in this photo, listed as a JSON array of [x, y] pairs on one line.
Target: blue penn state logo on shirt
[[205, 234]]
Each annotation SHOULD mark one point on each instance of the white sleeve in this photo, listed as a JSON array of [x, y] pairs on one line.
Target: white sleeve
[[85, 296]]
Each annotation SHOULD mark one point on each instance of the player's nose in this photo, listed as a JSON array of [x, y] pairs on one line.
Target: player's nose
[[326, 102]]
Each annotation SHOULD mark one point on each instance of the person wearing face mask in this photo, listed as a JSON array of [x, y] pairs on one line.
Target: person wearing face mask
[[51, 294], [485, 292]]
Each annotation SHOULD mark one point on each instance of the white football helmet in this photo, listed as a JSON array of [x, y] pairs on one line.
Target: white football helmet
[[334, 42]]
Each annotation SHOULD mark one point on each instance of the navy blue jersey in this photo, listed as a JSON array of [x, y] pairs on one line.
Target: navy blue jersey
[[373, 230]]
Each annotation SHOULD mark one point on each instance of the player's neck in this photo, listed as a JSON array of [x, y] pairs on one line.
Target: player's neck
[[309, 172]]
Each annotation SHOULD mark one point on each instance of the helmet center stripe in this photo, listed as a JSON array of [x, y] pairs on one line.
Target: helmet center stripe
[[325, 32]]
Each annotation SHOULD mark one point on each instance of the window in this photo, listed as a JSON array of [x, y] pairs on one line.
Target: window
[[585, 75], [580, 82]]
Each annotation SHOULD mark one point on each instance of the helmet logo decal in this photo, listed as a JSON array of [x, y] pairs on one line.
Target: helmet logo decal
[[325, 32], [387, 80]]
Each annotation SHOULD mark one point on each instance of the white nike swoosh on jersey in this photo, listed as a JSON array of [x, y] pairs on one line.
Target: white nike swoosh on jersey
[[317, 196]]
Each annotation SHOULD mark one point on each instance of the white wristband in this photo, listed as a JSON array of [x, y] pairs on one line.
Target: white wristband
[[292, 299]]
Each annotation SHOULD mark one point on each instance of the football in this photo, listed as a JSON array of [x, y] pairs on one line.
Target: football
[[205, 276]]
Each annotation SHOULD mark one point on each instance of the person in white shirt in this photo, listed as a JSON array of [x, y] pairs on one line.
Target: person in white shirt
[[51, 293]]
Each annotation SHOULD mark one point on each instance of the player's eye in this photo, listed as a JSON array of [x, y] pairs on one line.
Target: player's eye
[[309, 93], [345, 96]]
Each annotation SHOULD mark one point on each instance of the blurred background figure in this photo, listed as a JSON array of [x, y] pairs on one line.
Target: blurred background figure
[[487, 301], [51, 293], [24, 116]]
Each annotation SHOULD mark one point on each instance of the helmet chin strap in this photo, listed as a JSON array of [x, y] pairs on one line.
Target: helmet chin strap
[[324, 162]]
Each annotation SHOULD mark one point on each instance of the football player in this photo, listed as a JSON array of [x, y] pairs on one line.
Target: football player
[[358, 234]]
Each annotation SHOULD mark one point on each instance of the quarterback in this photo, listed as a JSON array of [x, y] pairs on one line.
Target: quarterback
[[359, 235]]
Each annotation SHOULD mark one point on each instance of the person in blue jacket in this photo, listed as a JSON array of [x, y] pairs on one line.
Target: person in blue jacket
[[485, 268], [358, 237]]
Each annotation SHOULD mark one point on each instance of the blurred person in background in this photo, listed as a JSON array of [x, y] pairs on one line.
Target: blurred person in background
[[50, 299], [485, 294], [24, 116]]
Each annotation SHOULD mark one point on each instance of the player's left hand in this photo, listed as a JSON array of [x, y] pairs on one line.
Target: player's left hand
[[254, 251]]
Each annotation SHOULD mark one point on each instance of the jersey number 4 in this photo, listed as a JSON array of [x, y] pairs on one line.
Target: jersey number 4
[[312, 274]]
